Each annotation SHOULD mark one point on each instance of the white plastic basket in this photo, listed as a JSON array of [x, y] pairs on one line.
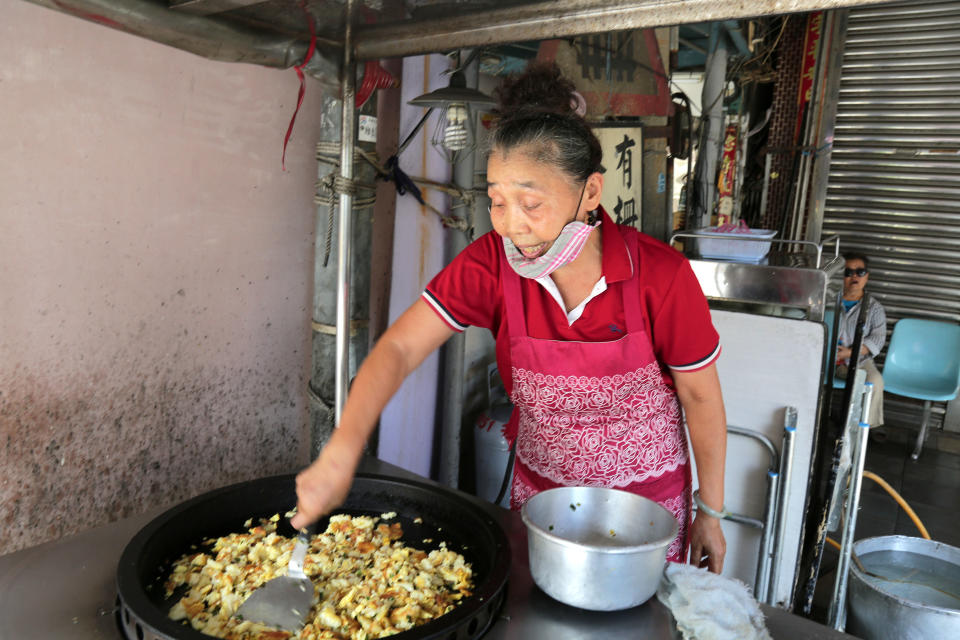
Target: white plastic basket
[[743, 246]]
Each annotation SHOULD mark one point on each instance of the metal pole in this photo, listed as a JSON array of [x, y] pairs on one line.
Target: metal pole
[[761, 587], [811, 130], [345, 222], [811, 122], [786, 466], [837, 615], [764, 441], [855, 415], [924, 424], [830, 99], [454, 351], [714, 84], [768, 160], [767, 524]]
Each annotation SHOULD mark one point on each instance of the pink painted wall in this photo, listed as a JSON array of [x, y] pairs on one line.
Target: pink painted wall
[[155, 274]]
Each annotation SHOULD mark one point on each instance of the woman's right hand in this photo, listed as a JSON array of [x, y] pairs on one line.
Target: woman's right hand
[[324, 485]]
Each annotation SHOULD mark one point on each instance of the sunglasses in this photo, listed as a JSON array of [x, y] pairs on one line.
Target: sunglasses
[[858, 272]]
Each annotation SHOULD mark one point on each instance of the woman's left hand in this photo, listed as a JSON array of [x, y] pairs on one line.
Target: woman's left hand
[[707, 544]]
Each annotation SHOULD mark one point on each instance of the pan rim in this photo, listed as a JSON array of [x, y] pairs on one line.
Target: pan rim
[[133, 596]]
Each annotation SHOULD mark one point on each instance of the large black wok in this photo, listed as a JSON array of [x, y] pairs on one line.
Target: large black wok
[[446, 517]]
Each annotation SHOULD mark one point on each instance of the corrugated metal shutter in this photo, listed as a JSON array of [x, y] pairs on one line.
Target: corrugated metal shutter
[[894, 185]]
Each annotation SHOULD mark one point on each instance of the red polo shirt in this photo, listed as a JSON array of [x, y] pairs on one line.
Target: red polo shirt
[[469, 291]]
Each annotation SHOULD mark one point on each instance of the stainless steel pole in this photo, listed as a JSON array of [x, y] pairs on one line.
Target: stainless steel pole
[[786, 466], [761, 587], [837, 614], [768, 160], [454, 351], [345, 221], [761, 582], [714, 84], [922, 436]]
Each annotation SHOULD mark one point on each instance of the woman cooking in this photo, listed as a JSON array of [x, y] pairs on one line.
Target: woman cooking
[[605, 332]]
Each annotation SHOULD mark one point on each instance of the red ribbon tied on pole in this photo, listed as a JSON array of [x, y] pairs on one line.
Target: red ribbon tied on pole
[[303, 89]]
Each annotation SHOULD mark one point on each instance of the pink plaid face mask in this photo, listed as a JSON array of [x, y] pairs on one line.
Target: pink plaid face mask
[[564, 250]]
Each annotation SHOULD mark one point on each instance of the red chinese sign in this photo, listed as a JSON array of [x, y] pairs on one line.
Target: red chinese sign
[[728, 171], [728, 162], [811, 42]]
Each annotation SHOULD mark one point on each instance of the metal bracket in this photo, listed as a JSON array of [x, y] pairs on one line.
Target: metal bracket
[[771, 524]]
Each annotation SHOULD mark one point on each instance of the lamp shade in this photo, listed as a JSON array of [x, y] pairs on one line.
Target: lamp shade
[[455, 131], [456, 91]]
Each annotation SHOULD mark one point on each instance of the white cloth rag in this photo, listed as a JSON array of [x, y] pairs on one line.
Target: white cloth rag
[[710, 607]]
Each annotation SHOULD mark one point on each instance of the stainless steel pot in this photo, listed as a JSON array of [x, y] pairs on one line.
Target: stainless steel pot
[[598, 549], [913, 594]]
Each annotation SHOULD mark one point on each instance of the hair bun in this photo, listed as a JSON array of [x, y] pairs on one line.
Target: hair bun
[[541, 87]]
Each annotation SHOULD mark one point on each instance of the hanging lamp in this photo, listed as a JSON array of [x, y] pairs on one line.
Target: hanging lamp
[[456, 131]]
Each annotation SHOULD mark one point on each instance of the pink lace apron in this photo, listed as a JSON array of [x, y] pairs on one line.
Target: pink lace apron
[[597, 413]]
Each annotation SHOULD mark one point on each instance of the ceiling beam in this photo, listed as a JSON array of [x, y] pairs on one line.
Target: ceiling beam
[[566, 18], [213, 37], [209, 7]]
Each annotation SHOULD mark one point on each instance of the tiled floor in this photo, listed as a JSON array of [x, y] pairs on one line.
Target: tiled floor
[[931, 486]]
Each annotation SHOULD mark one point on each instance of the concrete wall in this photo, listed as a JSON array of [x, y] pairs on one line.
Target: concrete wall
[[155, 274]]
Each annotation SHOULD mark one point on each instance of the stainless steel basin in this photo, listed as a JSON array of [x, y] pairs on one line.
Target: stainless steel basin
[[911, 590]]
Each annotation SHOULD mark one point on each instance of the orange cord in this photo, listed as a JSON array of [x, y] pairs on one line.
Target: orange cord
[[900, 501]]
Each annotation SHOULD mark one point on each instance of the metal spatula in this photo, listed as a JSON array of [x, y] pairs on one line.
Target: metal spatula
[[285, 601]]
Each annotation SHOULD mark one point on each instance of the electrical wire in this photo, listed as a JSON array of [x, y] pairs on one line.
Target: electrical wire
[[783, 27], [474, 54]]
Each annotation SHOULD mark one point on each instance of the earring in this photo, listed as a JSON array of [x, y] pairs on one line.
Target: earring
[[592, 217]]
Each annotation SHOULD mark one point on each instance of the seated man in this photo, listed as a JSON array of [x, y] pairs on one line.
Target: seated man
[[855, 277]]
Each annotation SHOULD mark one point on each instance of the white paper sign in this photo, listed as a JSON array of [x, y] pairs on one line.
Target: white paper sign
[[367, 130]]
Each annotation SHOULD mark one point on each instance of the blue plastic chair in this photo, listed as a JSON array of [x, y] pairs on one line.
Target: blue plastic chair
[[923, 362]]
